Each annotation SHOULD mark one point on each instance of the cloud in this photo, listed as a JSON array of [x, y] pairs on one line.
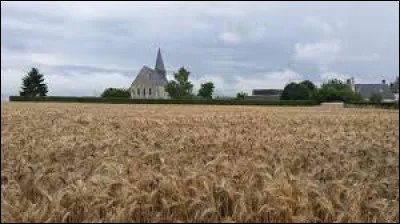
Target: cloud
[[322, 52], [228, 37], [273, 80], [325, 27], [361, 58], [10, 82], [333, 75]]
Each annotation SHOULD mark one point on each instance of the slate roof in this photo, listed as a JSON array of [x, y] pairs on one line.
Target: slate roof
[[367, 90], [159, 63], [148, 76]]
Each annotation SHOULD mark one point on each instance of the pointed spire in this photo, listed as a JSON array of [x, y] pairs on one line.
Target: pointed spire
[[159, 63]]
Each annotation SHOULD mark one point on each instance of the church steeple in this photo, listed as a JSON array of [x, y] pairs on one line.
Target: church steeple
[[159, 63]]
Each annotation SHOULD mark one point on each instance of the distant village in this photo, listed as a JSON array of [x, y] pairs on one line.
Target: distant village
[[150, 83]]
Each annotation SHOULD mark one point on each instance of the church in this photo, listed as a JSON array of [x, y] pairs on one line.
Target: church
[[150, 83]]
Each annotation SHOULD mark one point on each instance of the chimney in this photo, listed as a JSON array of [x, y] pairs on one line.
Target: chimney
[[383, 81], [352, 84]]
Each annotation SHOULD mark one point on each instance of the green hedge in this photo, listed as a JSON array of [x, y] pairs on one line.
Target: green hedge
[[163, 101], [388, 105]]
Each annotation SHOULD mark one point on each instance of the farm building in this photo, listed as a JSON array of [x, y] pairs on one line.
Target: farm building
[[265, 94], [367, 90]]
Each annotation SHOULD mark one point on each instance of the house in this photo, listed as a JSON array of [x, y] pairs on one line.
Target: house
[[265, 94], [366, 90], [150, 83]]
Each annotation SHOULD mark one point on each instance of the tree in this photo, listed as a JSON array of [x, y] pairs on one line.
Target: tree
[[311, 88], [336, 84], [376, 98], [206, 90], [181, 87], [241, 95], [309, 85], [336, 90], [33, 84], [115, 92], [294, 91]]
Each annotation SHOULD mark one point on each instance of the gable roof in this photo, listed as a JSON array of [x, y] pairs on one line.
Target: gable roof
[[148, 76], [367, 90]]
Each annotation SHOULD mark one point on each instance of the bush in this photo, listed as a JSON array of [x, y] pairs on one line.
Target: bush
[[376, 98], [332, 94], [241, 95], [115, 92], [386, 105], [164, 101]]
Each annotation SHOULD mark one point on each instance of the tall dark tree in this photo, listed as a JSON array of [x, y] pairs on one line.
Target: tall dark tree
[[206, 90], [33, 84], [295, 91], [181, 87]]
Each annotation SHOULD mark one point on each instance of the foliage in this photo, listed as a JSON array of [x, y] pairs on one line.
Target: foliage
[[310, 85], [241, 95], [311, 88], [206, 90], [386, 105], [33, 84], [336, 84], [336, 90], [116, 92], [181, 87], [376, 98], [294, 91]]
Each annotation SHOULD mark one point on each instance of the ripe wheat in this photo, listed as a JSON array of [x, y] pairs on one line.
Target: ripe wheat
[[158, 163]]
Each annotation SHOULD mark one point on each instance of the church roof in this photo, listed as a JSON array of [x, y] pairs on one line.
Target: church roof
[[159, 62], [148, 76]]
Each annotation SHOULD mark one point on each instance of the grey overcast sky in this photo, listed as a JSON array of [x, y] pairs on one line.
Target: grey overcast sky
[[84, 47]]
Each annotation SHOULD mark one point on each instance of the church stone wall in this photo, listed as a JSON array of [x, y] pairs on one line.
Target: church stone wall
[[157, 92]]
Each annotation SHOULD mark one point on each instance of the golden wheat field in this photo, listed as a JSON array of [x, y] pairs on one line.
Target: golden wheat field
[[183, 163]]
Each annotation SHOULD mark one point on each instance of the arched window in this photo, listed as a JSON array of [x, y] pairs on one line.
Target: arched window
[[149, 91], [138, 92]]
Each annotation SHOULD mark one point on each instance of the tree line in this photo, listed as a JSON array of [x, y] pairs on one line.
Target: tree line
[[182, 88], [33, 85], [333, 90]]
